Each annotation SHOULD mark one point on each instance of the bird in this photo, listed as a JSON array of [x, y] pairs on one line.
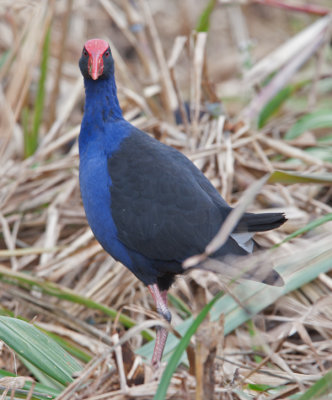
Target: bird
[[147, 204]]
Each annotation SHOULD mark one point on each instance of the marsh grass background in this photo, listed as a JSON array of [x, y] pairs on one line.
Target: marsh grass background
[[244, 90]]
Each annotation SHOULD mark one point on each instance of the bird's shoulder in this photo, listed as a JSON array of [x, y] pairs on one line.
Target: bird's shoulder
[[145, 168], [141, 156], [143, 148]]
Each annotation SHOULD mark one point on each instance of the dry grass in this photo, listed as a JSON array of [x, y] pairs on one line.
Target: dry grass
[[44, 231]]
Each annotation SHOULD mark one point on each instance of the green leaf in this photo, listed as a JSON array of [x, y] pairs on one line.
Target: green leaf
[[40, 376], [180, 349], [203, 24], [274, 105], [319, 389], [65, 344], [327, 139], [314, 120], [69, 347], [40, 350], [295, 177], [322, 153], [259, 387]]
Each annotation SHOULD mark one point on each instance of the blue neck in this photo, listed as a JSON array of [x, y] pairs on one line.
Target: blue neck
[[101, 100], [103, 127]]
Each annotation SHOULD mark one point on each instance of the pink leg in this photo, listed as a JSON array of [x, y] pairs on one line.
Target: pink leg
[[160, 299]]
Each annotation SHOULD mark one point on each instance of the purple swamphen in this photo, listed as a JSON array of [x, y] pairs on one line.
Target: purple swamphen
[[146, 203]]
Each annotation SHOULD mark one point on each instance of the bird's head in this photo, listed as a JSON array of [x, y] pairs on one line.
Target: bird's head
[[96, 61]]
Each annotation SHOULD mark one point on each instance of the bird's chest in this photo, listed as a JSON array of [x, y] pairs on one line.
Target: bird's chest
[[95, 184], [95, 191]]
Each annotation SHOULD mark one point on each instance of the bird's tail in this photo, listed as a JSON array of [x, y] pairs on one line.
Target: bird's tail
[[225, 261], [260, 222]]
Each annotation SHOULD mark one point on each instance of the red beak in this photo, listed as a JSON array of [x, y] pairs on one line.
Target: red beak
[[96, 65], [96, 48]]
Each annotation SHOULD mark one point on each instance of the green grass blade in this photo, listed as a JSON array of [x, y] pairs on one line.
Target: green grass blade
[[319, 389], [25, 121], [309, 227], [273, 106], [27, 282], [203, 24], [259, 387], [180, 349], [179, 305], [40, 350], [3, 58], [294, 177], [39, 106], [314, 120], [31, 137]]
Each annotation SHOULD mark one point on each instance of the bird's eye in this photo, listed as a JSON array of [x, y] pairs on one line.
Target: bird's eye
[[107, 53], [85, 53]]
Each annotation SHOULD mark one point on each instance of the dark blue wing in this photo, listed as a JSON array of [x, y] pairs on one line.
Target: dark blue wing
[[162, 205]]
